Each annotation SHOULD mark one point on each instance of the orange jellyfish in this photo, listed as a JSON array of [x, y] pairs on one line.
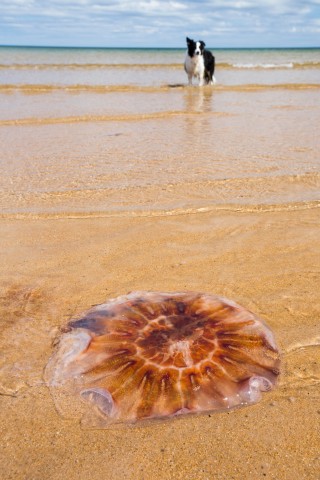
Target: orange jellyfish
[[150, 355]]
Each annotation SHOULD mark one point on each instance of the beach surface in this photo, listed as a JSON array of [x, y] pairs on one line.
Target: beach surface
[[107, 188]]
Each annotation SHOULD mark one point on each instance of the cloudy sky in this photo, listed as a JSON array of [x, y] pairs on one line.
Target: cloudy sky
[[153, 23]]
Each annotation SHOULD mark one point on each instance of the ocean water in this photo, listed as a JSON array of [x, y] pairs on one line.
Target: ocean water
[[118, 131], [151, 67]]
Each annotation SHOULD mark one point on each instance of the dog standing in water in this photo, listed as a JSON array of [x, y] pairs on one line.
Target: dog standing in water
[[199, 63]]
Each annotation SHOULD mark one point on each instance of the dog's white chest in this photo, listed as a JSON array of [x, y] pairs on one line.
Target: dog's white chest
[[194, 65]]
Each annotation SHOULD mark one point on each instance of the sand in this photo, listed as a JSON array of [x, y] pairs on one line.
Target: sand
[[54, 268], [111, 189]]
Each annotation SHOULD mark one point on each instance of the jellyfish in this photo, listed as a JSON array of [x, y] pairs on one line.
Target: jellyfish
[[153, 355]]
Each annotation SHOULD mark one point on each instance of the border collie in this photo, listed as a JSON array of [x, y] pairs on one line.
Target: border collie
[[199, 63]]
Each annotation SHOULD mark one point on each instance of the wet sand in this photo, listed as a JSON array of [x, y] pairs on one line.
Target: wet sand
[[54, 268], [111, 189]]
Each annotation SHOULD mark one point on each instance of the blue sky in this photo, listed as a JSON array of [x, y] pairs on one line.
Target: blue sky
[[152, 23]]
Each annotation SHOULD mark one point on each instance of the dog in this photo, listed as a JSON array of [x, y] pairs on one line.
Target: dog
[[199, 63]]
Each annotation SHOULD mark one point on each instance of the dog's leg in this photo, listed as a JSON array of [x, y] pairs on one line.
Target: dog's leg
[[213, 80], [190, 79], [210, 80], [202, 75]]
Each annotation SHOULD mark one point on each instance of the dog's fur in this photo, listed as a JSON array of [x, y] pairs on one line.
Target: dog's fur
[[199, 63]]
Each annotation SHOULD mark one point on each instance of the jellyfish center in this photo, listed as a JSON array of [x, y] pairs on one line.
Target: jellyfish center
[[173, 340]]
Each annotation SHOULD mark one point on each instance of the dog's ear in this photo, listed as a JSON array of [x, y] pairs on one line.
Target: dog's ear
[[189, 40], [202, 44]]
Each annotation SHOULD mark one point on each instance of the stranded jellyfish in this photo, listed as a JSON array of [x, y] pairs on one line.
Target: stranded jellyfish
[[153, 355]]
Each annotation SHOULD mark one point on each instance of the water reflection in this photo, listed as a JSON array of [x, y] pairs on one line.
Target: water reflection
[[199, 103], [198, 99]]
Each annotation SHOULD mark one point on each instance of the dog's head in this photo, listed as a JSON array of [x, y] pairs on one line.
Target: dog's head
[[195, 48]]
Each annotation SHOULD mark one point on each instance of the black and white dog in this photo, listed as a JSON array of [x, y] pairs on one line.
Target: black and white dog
[[199, 63]]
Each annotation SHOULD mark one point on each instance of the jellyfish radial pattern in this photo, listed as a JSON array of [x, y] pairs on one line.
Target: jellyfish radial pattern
[[153, 355]]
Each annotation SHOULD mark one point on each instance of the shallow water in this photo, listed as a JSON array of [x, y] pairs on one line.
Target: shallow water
[[118, 132]]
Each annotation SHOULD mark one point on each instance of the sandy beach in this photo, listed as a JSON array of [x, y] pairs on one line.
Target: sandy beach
[[166, 188]]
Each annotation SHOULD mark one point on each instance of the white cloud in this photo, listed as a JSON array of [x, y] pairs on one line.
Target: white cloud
[[154, 22]]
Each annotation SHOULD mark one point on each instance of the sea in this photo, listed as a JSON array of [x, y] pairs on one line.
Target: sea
[[113, 131]]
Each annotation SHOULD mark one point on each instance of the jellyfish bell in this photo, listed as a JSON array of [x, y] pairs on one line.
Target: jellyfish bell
[[152, 355]]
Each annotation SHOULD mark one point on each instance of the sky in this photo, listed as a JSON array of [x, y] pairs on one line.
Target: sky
[[153, 23]]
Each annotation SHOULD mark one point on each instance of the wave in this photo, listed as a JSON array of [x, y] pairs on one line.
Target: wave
[[284, 192], [112, 66], [99, 118], [263, 65], [105, 118], [276, 66], [78, 88], [255, 208], [48, 88], [86, 66]]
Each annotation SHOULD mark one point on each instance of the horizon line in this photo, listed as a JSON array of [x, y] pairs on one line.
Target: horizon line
[[155, 48]]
